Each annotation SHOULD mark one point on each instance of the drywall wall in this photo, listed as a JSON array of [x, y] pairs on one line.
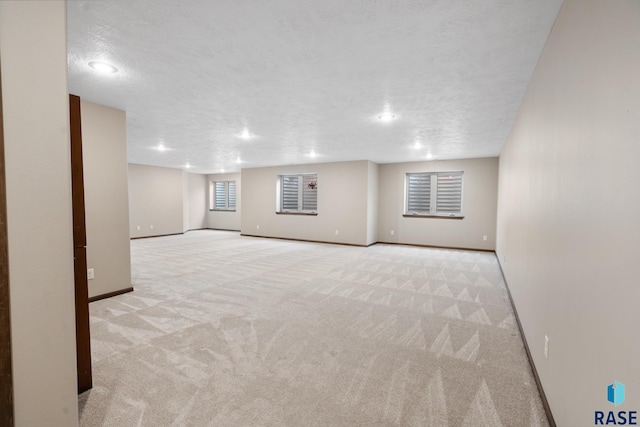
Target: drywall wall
[[185, 201], [479, 205], [342, 203], [155, 200], [569, 209], [196, 202], [104, 152], [171, 200], [224, 220], [372, 202], [38, 176]]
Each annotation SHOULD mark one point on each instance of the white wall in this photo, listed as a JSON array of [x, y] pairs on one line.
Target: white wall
[[225, 220], [197, 189], [155, 199], [479, 201], [38, 173], [104, 152], [372, 202], [569, 209], [185, 201], [170, 199], [342, 203], [360, 199]]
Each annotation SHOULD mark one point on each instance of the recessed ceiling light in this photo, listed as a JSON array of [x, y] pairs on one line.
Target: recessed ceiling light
[[103, 67], [417, 145], [161, 147], [386, 116], [429, 156], [313, 154], [187, 166], [222, 170], [238, 160], [245, 134]]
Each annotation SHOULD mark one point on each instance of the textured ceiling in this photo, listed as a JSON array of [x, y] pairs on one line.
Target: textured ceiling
[[305, 75]]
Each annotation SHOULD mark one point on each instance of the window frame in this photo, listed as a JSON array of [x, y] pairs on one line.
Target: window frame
[[213, 193], [300, 209], [434, 211]]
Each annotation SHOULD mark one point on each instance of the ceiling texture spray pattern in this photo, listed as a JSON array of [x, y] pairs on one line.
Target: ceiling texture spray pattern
[[308, 75]]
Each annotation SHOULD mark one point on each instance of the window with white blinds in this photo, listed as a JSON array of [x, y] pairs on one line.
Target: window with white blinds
[[223, 195], [449, 193], [299, 193], [434, 193], [419, 193]]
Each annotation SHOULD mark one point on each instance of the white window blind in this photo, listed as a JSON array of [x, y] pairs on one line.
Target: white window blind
[[449, 193], [231, 192], [309, 193], [299, 193], [223, 195], [434, 193], [419, 193], [290, 191]]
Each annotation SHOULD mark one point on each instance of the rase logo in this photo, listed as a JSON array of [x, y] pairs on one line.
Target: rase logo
[[616, 395]]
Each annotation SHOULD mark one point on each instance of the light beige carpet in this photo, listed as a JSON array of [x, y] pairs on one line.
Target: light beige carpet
[[224, 330]]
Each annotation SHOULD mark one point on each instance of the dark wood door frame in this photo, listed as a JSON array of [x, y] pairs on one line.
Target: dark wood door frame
[[83, 340], [6, 374]]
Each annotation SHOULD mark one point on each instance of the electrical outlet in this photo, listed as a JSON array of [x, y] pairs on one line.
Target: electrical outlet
[[150, 227], [484, 237], [138, 227], [257, 227], [393, 232], [90, 274], [337, 232], [546, 347]]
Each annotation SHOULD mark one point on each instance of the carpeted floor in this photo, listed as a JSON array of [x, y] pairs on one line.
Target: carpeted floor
[[224, 330]]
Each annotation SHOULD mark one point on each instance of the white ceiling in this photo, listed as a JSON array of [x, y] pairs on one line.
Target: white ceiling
[[307, 75]]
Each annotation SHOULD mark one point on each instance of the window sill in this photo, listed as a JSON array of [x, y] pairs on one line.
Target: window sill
[[222, 210], [434, 216], [297, 213]]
